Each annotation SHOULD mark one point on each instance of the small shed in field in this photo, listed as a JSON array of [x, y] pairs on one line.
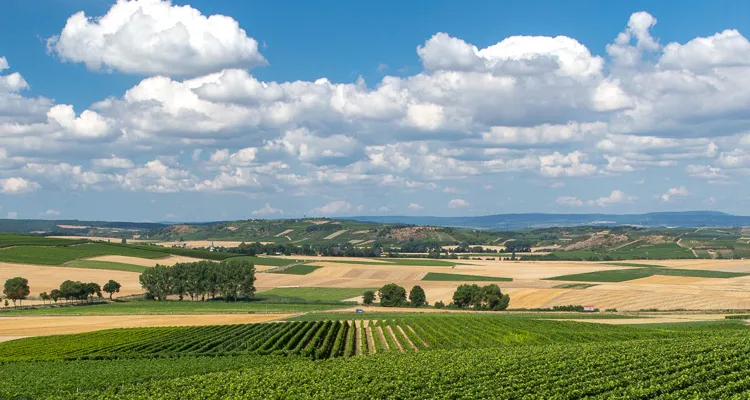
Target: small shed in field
[[589, 308]]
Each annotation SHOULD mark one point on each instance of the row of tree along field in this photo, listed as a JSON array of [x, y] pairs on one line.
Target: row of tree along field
[[480, 298], [230, 279], [17, 289]]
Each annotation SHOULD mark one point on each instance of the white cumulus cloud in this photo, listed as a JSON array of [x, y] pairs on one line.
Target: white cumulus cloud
[[674, 192], [17, 185], [268, 210], [458, 203], [153, 37]]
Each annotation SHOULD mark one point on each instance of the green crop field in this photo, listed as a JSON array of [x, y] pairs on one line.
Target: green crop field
[[317, 293], [622, 275], [323, 315], [438, 276], [115, 266], [301, 269], [406, 357], [179, 307], [53, 255], [9, 239]]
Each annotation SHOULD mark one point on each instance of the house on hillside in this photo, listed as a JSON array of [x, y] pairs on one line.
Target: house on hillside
[[589, 308]]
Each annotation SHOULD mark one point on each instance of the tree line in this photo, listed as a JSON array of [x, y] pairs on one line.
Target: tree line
[[17, 289], [230, 279], [480, 298]]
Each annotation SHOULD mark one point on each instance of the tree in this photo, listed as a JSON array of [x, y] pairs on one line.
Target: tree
[[439, 304], [111, 287], [467, 295], [92, 289], [55, 294], [392, 295], [16, 289], [368, 297], [417, 297], [489, 297], [44, 296], [494, 299], [157, 281]]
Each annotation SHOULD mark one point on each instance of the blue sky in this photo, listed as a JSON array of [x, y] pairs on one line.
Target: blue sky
[[205, 110]]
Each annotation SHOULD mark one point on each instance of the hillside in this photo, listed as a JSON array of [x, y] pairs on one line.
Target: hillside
[[318, 232], [686, 219]]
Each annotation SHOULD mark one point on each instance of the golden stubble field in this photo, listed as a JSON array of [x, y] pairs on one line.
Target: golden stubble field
[[528, 288], [17, 327]]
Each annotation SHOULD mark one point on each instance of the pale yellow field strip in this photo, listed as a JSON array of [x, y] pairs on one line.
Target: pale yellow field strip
[[54, 325], [334, 234], [44, 279], [286, 232], [146, 262]]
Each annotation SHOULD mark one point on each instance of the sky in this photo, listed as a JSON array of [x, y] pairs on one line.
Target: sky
[[151, 110]]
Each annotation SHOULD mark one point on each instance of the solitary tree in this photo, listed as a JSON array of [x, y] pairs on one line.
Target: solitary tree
[[368, 297], [111, 287], [417, 298], [16, 289], [392, 295]]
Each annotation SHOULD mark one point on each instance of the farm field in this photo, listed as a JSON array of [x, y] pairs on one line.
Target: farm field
[[177, 308], [540, 358], [25, 326], [46, 278]]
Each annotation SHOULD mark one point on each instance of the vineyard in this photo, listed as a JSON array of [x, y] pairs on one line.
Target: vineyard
[[419, 357], [317, 339]]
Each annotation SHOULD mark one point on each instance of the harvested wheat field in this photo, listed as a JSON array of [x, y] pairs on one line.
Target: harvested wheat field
[[146, 262], [530, 289], [44, 278], [11, 327]]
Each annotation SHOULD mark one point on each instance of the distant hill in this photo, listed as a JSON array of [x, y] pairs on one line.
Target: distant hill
[[686, 219], [75, 227]]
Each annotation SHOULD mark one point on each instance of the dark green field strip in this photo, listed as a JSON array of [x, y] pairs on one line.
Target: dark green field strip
[[51, 255], [623, 275], [439, 276], [575, 286], [322, 315], [301, 269], [9, 239], [176, 307], [317, 293]]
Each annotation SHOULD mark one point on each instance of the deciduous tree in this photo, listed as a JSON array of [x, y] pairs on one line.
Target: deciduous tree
[[111, 287], [417, 297], [16, 289], [392, 295]]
